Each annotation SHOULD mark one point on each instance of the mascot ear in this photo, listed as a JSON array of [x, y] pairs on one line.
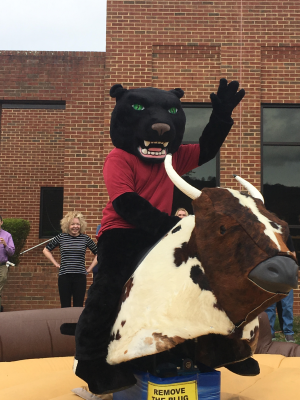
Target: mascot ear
[[117, 91], [178, 92]]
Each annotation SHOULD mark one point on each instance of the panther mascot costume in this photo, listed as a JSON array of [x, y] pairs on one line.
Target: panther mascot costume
[[146, 124]]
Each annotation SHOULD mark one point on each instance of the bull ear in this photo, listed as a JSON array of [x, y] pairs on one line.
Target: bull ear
[[178, 92], [182, 185], [117, 91], [251, 189]]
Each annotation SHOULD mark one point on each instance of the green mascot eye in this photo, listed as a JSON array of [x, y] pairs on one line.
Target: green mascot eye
[[173, 110], [138, 107]]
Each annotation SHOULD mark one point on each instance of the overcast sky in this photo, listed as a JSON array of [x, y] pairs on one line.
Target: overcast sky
[[56, 25]]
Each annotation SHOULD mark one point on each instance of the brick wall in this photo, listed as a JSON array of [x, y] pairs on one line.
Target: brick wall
[[32, 150], [49, 148]]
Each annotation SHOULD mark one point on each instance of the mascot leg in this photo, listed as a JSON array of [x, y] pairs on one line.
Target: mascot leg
[[118, 251]]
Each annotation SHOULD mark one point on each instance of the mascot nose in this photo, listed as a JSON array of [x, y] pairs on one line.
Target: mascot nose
[[161, 128], [277, 274]]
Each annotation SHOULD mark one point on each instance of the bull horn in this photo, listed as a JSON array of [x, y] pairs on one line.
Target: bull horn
[[182, 185], [251, 189]]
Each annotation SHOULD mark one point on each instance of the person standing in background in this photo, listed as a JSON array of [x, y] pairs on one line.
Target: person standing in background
[[7, 249], [181, 213], [73, 243], [287, 308]]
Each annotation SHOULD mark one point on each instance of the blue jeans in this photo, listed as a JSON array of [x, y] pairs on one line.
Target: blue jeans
[[287, 314]]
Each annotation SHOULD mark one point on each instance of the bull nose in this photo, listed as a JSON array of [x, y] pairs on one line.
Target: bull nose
[[278, 274]]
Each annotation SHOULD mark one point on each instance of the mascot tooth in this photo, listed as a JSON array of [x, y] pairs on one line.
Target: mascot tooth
[[146, 125]]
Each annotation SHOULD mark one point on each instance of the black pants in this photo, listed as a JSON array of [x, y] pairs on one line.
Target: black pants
[[71, 285], [118, 253]]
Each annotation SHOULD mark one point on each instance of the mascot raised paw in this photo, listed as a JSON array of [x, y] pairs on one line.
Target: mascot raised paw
[[146, 125]]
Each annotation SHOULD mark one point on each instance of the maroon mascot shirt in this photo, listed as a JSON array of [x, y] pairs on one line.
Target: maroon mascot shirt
[[124, 172]]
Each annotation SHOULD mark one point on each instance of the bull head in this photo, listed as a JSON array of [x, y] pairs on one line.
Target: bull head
[[242, 248]]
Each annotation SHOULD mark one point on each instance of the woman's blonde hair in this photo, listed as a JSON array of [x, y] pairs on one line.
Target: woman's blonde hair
[[181, 209], [65, 222]]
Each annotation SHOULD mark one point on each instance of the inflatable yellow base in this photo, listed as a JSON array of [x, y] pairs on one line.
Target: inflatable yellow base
[[53, 379], [278, 380]]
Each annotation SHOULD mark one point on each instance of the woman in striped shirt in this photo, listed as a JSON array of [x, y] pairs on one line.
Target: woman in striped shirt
[[72, 243]]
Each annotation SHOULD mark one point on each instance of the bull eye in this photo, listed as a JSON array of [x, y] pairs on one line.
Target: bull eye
[[173, 110], [138, 107], [222, 230]]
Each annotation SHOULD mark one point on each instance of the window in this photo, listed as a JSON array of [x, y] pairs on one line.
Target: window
[[281, 164], [51, 211], [197, 117], [33, 104]]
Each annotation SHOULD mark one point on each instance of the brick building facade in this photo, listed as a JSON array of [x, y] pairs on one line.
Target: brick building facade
[[45, 147], [187, 44]]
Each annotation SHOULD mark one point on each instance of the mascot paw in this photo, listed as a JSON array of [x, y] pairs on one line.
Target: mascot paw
[[103, 378], [248, 367]]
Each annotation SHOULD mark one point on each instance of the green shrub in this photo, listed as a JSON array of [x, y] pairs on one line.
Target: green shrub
[[19, 230]]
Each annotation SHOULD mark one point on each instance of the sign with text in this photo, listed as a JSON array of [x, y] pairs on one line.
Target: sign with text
[[173, 391]]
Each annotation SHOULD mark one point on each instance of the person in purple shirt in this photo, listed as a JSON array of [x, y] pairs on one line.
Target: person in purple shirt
[[7, 248]]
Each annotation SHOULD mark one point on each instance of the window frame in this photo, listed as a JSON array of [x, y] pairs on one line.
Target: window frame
[[217, 157], [176, 195], [42, 194], [33, 104], [263, 144]]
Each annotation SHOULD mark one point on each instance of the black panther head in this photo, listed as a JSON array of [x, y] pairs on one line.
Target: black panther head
[[147, 122]]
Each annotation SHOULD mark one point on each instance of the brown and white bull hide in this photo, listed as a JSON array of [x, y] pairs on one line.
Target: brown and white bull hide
[[194, 282]]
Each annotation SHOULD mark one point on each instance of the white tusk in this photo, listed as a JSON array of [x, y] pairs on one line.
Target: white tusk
[[182, 185], [251, 189]]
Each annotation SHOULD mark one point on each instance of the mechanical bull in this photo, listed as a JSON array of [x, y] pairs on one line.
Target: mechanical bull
[[198, 292]]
